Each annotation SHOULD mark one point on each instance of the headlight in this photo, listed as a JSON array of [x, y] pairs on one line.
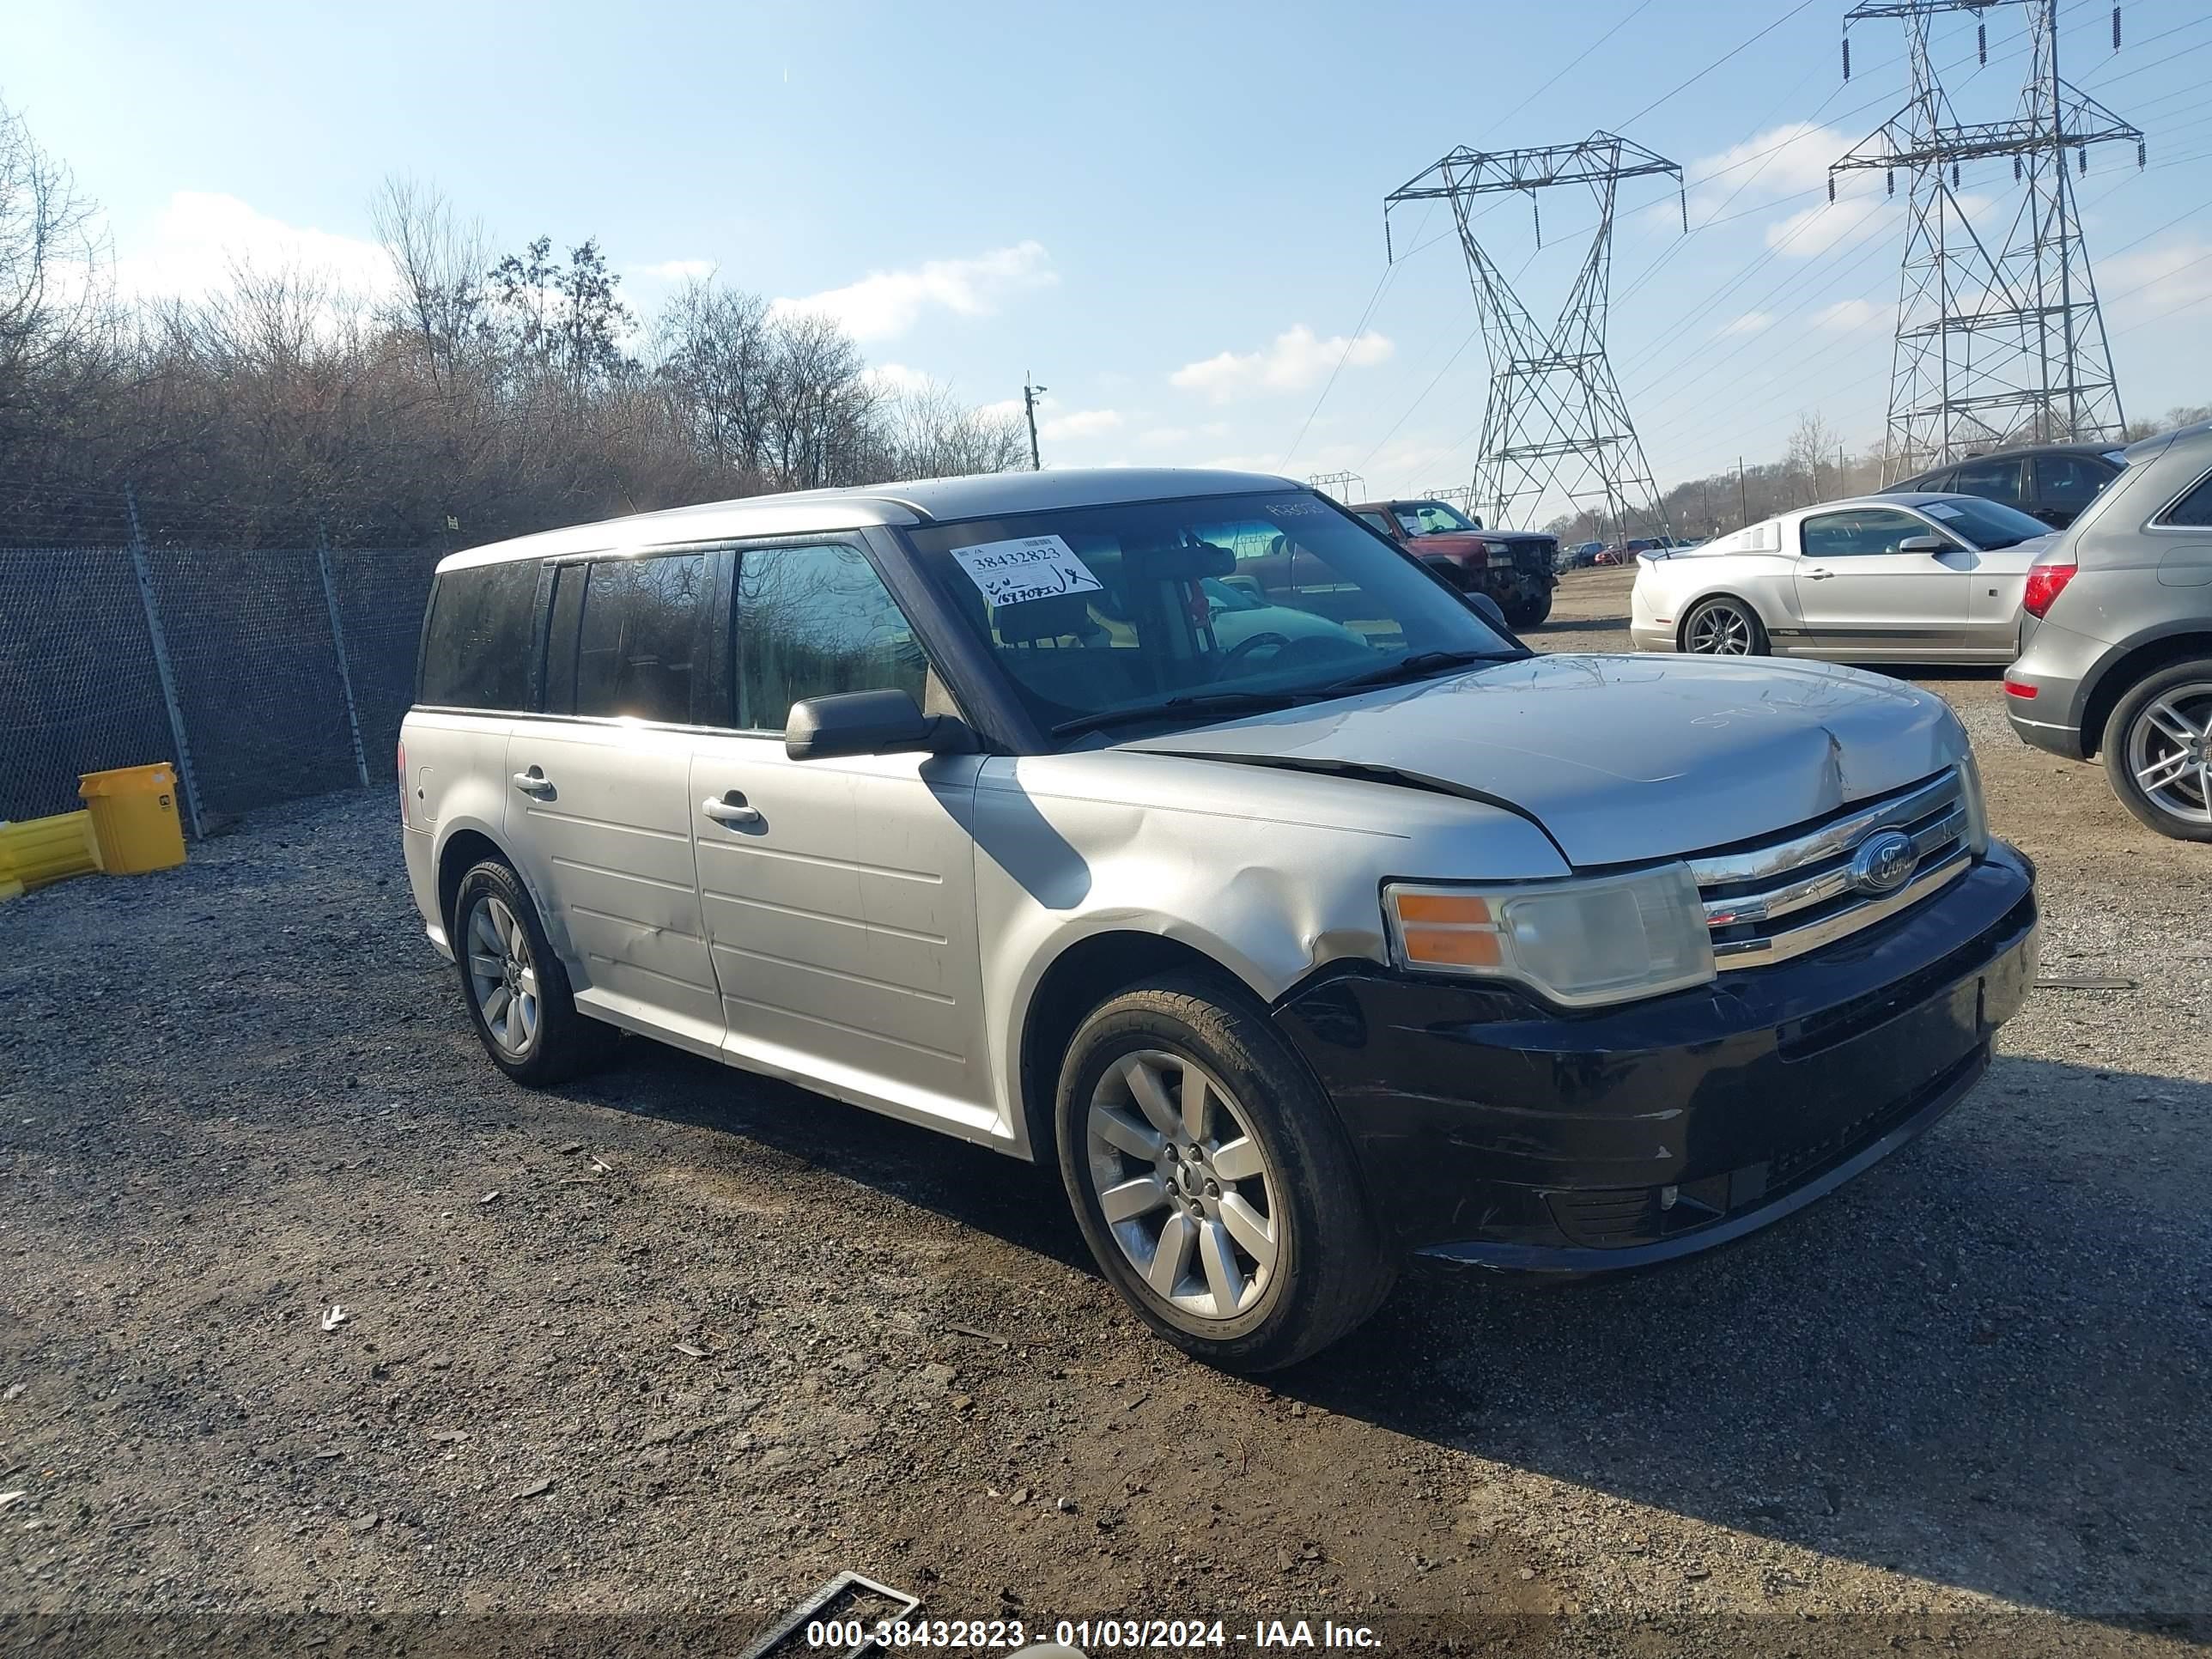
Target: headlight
[[1978, 817], [1581, 943]]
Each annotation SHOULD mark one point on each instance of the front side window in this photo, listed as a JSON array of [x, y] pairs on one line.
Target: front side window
[[1431, 519], [813, 622], [1858, 532], [1996, 481], [637, 635], [481, 642], [1167, 609]]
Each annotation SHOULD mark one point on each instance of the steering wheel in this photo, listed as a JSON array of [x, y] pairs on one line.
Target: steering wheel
[[1251, 643]]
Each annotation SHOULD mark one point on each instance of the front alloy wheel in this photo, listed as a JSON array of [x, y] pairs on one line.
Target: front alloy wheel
[[1182, 1183], [1211, 1178]]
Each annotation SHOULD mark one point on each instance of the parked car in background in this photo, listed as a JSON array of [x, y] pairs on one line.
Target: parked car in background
[[1295, 955], [1878, 579], [1584, 555], [2115, 637], [2052, 482], [1513, 567]]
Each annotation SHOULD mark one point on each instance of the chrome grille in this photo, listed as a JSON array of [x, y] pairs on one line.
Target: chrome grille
[[1780, 899]]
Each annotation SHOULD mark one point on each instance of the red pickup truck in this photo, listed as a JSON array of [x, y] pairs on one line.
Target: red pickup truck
[[1514, 567]]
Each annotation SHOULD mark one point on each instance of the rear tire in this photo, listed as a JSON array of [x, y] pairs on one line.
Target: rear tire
[[1724, 626], [516, 988], [2158, 750], [1239, 1230]]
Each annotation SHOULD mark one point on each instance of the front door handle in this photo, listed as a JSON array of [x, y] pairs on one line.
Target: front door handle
[[1818, 575], [534, 783], [730, 809]]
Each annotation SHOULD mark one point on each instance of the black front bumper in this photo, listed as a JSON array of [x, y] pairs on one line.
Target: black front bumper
[[1493, 1129]]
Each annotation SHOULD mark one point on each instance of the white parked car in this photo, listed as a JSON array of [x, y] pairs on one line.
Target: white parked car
[[1919, 578]]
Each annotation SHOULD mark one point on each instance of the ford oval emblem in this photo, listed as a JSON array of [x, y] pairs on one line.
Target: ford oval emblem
[[1883, 863]]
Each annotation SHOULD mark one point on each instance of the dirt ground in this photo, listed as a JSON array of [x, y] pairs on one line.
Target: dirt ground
[[637, 1363]]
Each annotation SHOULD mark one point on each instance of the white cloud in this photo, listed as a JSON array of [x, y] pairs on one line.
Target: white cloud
[[1846, 316], [1080, 424], [1830, 225], [1293, 361], [201, 237], [673, 271], [895, 377], [2156, 280], [886, 303], [1778, 162], [1002, 409], [1751, 322]]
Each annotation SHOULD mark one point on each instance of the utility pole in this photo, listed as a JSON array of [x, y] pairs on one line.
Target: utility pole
[[1556, 423], [1997, 341], [1029, 395], [1742, 497]]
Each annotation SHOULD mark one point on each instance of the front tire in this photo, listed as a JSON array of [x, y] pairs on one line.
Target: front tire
[[1724, 626], [2158, 750], [517, 991], [1531, 612], [1212, 1180]]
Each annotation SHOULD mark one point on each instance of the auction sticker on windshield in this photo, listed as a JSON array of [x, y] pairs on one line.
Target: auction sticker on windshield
[[1026, 567]]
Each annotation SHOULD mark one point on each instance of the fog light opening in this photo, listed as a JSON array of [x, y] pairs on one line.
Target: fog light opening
[[1667, 1195]]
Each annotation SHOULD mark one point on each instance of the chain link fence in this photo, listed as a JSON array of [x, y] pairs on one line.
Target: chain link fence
[[264, 673]]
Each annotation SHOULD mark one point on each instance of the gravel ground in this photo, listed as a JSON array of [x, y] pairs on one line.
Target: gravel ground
[[662, 1351]]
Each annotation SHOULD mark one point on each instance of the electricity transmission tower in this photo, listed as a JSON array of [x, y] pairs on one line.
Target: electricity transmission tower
[[1339, 486], [1555, 421], [1995, 341]]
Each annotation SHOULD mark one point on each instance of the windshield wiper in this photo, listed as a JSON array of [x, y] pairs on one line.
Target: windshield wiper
[[1189, 703], [1422, 664]]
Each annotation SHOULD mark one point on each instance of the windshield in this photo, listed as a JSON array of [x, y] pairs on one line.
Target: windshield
[[1430, 518], [1987, 524], [1194, 609]]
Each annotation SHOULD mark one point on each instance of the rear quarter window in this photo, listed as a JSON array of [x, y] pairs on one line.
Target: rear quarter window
[[481, 644], [2194, 510]]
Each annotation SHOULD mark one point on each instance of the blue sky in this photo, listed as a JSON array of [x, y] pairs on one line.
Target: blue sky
[[1171, 215]]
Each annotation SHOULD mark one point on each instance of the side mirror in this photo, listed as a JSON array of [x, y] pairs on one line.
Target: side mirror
[[867, 723], [1490, 610], [1923, 543]]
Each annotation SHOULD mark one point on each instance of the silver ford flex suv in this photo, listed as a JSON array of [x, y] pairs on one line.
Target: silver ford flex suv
[[1176, 828]]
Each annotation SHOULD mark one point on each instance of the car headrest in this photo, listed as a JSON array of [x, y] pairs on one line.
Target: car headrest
[[1048, 618], [1179, 562]]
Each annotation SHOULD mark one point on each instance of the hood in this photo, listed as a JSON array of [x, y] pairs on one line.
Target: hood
[[1620, 758]]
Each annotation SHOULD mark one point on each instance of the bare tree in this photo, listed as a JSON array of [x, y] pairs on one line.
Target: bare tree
[[57, 316], [1812, 456], [440, 262]]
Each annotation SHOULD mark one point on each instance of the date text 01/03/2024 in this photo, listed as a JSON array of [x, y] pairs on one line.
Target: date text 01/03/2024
[[1090, 1635]]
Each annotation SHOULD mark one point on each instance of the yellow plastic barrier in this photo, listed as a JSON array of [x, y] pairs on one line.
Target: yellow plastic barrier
[[41, 850], [134, 817]]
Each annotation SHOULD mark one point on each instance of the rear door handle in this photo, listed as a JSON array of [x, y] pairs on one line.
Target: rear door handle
[[534, 783], [730, 809]]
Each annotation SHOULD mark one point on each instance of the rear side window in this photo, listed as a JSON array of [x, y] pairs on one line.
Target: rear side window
[[638, 635], [1378, 522], [481, 642], [813, 622], [2194, 510], [2069, 482]]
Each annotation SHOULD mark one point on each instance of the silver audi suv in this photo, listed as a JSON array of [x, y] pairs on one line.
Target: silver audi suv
[[1177, 829], [2116, 636]]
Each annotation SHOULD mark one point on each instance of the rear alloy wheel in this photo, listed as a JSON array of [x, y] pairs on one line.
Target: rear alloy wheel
[[1212, 1182], [2158, 752], [1724, 628], [515, 987]]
